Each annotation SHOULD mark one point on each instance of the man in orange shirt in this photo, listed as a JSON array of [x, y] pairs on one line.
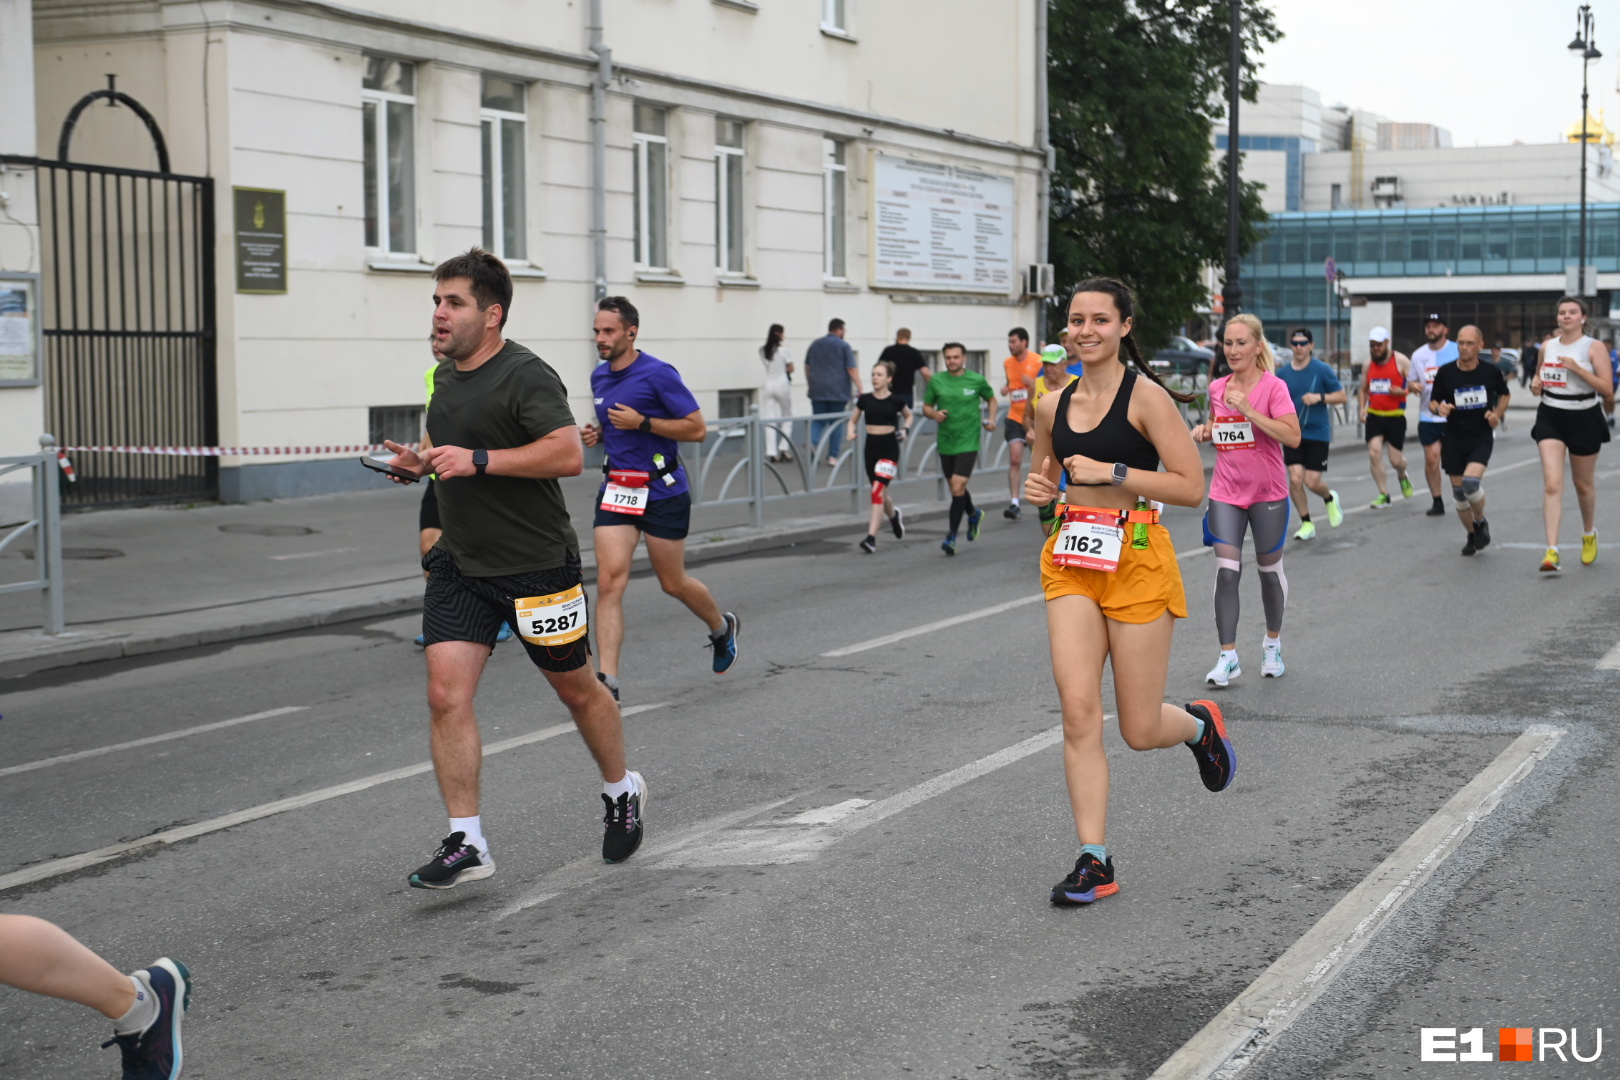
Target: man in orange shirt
[[1023, 368]]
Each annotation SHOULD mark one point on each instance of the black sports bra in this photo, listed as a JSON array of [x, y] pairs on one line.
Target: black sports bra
[[1114, 439]]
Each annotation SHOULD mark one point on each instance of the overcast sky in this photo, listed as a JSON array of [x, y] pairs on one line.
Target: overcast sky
[[1489, 71]]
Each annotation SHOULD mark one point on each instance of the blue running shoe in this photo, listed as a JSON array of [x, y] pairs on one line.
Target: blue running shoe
[[506, 632], [154, 1054], [725, 644], [975, 519], [421, 641], [948, 545]]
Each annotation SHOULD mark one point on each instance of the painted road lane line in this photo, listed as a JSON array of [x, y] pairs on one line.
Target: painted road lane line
[[70, 863], [1247, 1027], [81, 755], [1611, 660], [720, 842]]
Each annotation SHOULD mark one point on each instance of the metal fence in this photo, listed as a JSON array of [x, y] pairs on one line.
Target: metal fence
[[734, 468], [45, 527], [129, 325]]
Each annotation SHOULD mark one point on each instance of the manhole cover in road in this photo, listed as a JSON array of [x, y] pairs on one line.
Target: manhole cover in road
[[267, 530], [80, 553]]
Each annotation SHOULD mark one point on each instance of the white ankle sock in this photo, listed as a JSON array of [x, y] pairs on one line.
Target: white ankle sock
[[626, 786], [141, 1014], [473, 827]]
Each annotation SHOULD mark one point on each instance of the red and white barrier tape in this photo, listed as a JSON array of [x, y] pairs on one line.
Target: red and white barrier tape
[[227, 451], [67, 466]]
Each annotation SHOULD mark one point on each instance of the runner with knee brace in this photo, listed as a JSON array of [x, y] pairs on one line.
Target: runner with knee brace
[[1251, 419], [1471, 397]]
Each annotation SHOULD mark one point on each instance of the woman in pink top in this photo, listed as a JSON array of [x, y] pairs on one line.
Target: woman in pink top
[[1251, 419]]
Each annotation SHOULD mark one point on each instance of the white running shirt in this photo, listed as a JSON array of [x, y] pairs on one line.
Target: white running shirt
[[1577, 395], [1425, 362]]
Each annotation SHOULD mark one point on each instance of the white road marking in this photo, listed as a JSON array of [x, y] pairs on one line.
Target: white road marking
[[718, 841], [1534, 545], [80, 755], [827, 815], [1247, 1027], [312, 554], [69, 864], [1611, 660]]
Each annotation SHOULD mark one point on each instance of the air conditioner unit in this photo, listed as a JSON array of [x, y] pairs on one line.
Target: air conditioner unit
[[1039, 280]]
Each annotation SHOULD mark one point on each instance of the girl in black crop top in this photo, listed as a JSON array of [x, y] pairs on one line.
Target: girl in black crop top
[[887, 418], [1110, 431]]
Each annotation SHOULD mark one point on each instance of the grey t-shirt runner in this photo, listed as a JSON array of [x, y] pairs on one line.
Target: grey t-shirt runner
[[497, 526]]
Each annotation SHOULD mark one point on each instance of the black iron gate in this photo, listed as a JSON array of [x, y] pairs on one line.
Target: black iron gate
[[128, 310]]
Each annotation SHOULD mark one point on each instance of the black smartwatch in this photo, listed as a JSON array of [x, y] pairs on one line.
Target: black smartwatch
[[646, 424], [480, 461]]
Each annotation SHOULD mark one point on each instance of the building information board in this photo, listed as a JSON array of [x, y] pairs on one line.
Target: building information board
[[942, 227]]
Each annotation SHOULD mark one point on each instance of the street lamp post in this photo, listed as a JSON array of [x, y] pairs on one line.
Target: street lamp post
[[1232, 289], [1584, 45]]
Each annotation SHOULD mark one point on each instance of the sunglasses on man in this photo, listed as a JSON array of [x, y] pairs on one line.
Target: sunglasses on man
[[1298, 342]]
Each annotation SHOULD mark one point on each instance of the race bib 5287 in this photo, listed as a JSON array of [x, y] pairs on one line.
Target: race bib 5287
[[552, 620]]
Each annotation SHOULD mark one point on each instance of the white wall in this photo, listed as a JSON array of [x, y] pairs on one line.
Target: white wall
[[1531, 174], [282, 111]]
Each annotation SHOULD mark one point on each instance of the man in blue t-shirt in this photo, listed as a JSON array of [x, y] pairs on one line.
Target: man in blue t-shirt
[[643, 412], [1314, 388], [832, 381]]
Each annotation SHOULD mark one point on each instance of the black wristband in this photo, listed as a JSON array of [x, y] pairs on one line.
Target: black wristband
[[646, 425]]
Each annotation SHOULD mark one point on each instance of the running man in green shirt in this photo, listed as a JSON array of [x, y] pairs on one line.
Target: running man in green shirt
[[952, 401]]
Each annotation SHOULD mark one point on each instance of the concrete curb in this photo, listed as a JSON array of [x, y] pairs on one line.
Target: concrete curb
[[31, 652]]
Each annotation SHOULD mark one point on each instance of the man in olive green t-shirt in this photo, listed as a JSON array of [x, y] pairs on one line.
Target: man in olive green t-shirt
[[952, 401], [502, 435]]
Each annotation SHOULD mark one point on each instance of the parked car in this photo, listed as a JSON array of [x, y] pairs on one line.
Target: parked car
[[1182, 356]]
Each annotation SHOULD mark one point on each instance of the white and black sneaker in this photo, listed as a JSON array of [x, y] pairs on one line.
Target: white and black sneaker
[[898, 524], [622, 822], [455, 861]]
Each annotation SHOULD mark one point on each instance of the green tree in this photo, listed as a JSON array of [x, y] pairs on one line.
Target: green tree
[[1135, 88]]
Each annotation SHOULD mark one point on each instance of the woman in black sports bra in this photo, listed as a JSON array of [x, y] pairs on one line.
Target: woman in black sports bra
[[1109, 570]]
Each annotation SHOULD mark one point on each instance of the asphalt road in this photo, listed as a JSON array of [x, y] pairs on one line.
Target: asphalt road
[[848, 857]]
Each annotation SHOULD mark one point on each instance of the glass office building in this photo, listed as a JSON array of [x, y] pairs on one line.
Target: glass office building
[[1284, 281]]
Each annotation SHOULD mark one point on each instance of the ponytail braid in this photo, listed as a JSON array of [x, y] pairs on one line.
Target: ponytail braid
[[1143, 367]]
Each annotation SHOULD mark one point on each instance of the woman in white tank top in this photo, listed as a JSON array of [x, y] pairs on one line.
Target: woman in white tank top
[[1573, 380]]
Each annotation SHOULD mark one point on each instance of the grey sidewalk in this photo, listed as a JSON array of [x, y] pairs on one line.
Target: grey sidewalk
[[152, 579]]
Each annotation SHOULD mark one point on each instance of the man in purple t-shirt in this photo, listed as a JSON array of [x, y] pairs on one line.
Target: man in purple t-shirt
[[643, 412]]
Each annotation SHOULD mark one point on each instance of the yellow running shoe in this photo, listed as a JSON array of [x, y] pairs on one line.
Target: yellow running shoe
[[1549, 562], [1589, 549]]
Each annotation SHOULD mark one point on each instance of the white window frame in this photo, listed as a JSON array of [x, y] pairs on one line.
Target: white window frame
[[834, 234], [380, 100], [723, 198], [835, 16], [641, 144], [491, 121]]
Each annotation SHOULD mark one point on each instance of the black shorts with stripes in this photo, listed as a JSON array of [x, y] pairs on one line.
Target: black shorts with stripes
[[456, 607]]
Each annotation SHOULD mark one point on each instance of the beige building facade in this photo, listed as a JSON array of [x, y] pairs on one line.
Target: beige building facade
[[760, 163]]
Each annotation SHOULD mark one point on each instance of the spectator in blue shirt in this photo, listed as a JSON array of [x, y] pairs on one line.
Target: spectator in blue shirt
[[830, 374]]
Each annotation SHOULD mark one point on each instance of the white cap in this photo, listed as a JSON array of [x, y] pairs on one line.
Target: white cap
[[1379, 334]]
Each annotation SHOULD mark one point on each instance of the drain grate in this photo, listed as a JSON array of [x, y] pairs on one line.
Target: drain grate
[[267, 530]]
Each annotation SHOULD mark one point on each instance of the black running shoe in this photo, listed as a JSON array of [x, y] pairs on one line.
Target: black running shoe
[[623, 821], [1482, 535], [1437, 510], [612, 684], [155, 1054], [1090, 882], [455, 861], [1472, 546], [868, 545], [725, 646], [1012, 512], [1217, 761], [898, 524]]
